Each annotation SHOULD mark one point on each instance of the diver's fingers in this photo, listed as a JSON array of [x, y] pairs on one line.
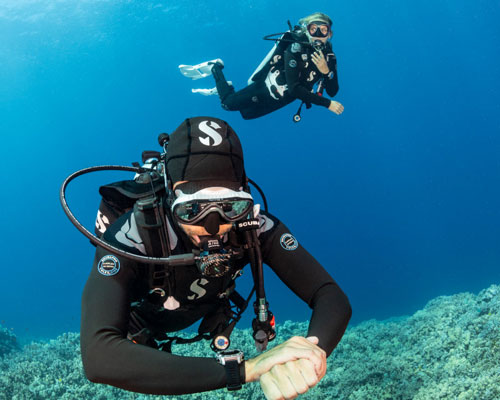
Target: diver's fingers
[[313, 339], [284, 382], [308, 372], [302, 375], [319, 361], [287, 381], [270, 387], [318, 55], [293, 349], [278, 384]]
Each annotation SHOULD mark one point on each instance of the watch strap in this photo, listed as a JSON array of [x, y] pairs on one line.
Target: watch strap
[[233, 375]]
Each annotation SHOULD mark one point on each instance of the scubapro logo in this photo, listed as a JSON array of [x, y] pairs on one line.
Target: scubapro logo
[[197, 288], [292, 63], [250, 223], [108, 265], [208, 128], [288, 242], [101, 222]]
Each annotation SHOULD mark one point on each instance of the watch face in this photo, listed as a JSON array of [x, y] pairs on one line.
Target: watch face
[[230, 355]]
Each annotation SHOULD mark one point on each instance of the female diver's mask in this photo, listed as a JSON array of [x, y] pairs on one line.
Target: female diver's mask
[[318, 29]]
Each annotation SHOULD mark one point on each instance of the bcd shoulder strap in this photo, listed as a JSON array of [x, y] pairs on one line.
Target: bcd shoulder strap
[[150, 219]]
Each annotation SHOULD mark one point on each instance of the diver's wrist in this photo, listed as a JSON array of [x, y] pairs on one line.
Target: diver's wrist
[[248, 366]]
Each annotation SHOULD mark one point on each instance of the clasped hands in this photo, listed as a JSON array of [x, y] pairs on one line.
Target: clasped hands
[[289, 369]]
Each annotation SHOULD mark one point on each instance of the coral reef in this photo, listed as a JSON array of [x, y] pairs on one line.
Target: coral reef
[[8, 341], [448, 350]]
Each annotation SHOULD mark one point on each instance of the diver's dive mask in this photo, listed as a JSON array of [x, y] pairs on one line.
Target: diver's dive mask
[[231, 205], [211, 208], [318, 29]]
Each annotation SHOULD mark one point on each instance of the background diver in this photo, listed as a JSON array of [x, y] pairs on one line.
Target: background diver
[[130, 307], [300, 59]]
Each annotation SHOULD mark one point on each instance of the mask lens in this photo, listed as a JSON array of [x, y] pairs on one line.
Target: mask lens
[[312, 28], [187, 211], [239, 209], [230, 210]]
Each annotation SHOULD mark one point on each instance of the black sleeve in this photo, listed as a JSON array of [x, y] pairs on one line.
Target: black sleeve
[[293, 66], [309, 281], [331, 80], [109, 357]]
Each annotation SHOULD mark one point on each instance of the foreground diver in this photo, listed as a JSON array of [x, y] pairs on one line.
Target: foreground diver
[[125, 322], [300, 59]]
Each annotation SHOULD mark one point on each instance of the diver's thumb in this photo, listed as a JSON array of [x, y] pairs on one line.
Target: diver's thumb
[[313, 339]]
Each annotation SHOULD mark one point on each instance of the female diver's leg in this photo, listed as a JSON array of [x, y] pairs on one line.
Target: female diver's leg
[[224, 89], [230, 99]]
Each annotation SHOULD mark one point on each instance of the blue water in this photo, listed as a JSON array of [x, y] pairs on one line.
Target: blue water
[[399, 197]]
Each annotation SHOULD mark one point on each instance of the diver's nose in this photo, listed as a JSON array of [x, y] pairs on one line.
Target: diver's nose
[[212, 223]]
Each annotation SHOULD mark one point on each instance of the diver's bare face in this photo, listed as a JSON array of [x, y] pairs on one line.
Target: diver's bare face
[[194, 232]]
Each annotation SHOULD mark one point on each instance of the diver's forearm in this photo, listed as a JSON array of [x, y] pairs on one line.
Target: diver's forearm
[[331, 314]]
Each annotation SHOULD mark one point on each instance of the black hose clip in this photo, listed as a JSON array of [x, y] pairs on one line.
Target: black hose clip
[[297, 117], [263, 325], [263, 332]]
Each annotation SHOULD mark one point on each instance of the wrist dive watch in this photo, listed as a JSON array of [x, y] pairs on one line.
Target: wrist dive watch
[[231, 359]]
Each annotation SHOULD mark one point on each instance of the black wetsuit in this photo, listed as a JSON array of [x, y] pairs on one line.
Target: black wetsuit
[[116, 285], [290, 74]]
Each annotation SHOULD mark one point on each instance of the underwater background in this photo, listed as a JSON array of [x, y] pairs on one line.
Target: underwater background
[[399, 197]]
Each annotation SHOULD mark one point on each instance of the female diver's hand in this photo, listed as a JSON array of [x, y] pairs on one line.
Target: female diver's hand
[[294, 349], [336, 107], [319, 60]]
